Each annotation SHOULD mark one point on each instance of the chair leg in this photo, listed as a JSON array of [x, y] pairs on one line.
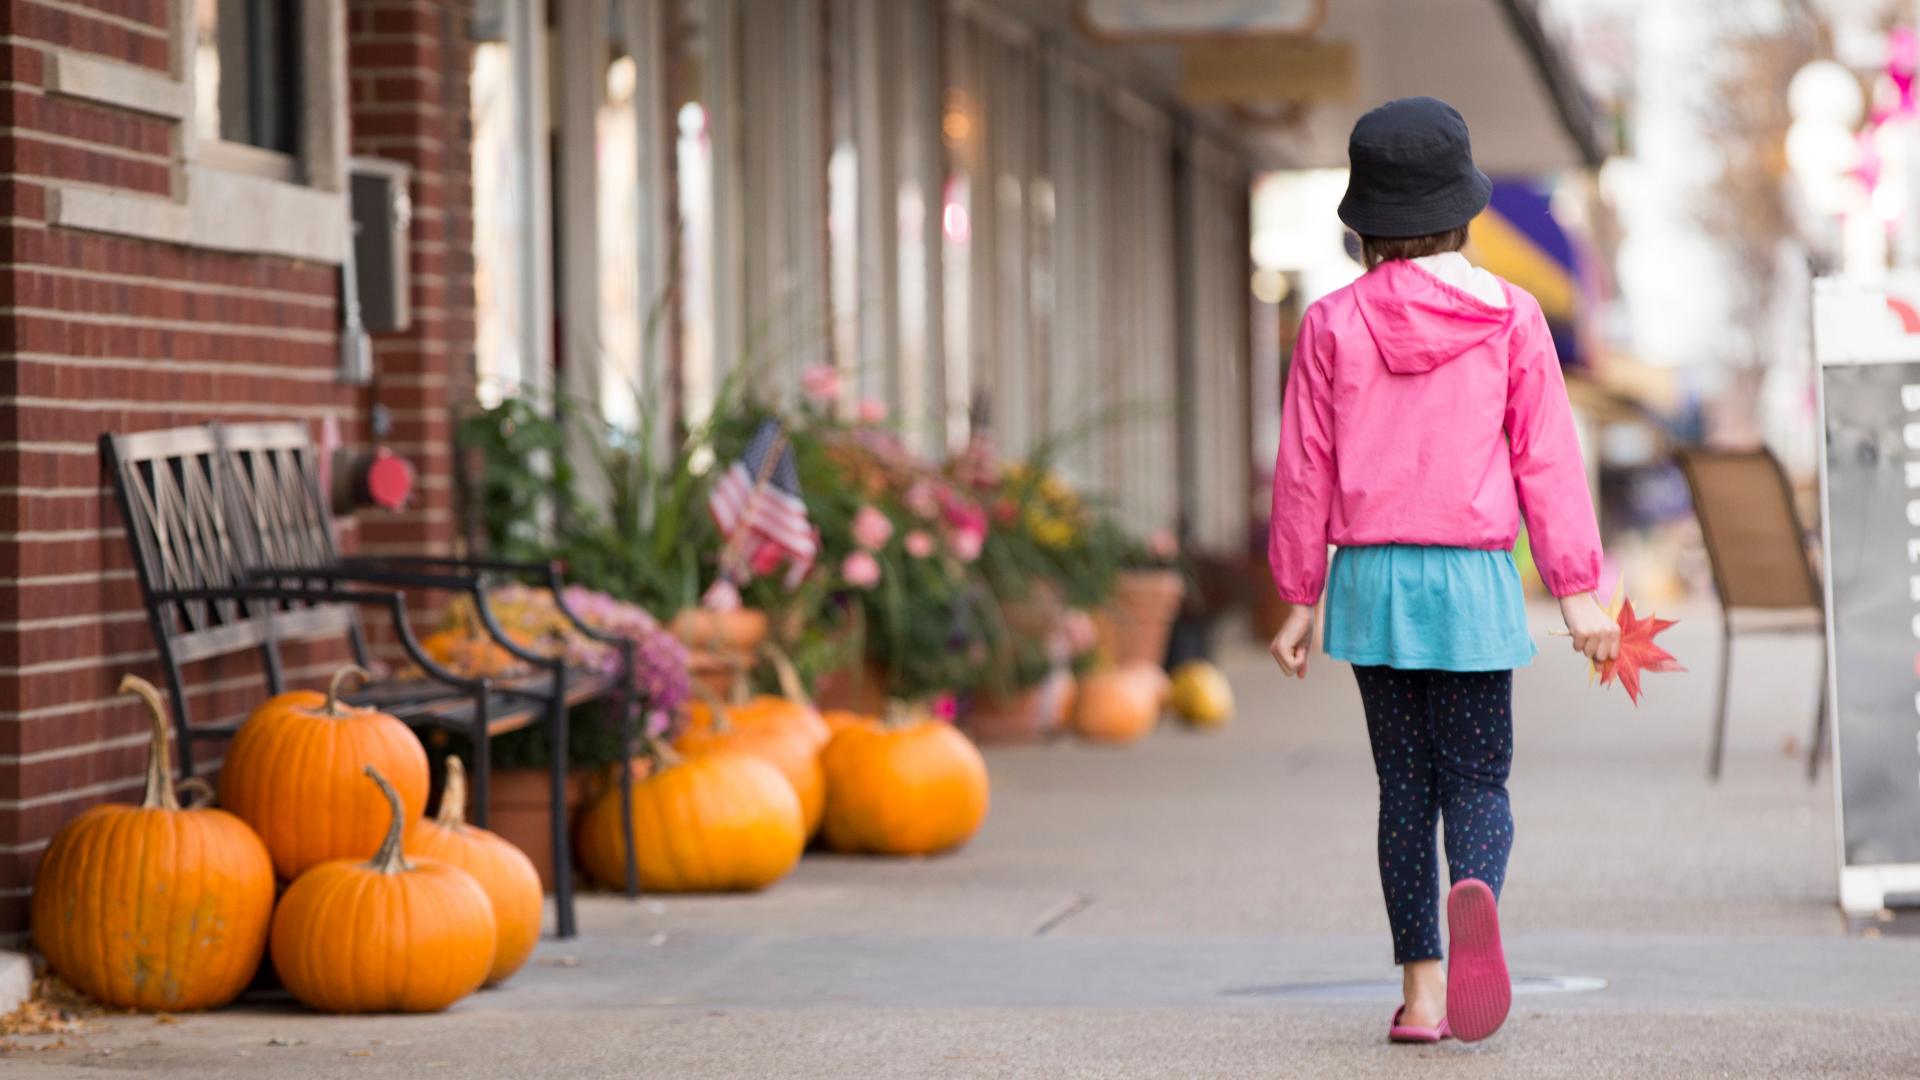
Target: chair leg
[[562, 842], [1718, 753], [1819, 747]]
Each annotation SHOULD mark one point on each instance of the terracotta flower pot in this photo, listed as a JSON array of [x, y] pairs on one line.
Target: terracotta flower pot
[[519, 810], [720, 643], [1139, 615], [856, 687], [1034, 713]]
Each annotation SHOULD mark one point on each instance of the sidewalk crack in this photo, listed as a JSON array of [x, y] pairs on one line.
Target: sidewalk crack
[[1075, 904]]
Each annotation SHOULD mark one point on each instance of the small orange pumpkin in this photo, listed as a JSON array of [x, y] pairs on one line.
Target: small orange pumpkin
[[386, 935], [293, 773], [912, 785], [503, 870], [153, 906], [791, 709], [720, 822], [1120, 704], [789, 747], [474, 655]]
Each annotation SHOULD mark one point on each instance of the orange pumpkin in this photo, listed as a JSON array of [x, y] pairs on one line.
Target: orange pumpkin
[[153, 906], [470, 653], [790, 748], [503, 870], [910, 786], [724, 821], [791, 709], [1120, 704], [293, 773], [386, 935]]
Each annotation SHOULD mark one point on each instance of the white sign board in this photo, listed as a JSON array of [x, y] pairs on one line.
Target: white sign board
[[1867, 345], [1123, 19]]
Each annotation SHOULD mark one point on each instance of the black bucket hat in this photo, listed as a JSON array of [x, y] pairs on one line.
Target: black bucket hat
[[1412, 171]]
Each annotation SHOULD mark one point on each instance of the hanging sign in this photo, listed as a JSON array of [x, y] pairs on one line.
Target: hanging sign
[[1867, 345]]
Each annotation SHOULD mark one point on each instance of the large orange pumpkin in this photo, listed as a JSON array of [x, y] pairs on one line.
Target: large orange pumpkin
[[791, 748], [293, 773], [153, 906], [910, 786], [719, 822], [1120, 704], [504, 871], [386, 935]]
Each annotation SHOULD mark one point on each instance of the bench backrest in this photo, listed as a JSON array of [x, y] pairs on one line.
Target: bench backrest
[[203, 507]]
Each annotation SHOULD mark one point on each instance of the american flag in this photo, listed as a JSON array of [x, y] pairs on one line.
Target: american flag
[[758, 507]]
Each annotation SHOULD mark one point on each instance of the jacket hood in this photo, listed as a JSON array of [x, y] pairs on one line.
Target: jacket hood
[[1419, 322]]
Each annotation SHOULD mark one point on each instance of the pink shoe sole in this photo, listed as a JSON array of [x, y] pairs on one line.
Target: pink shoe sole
[[1413, 1033], [1479, 991]]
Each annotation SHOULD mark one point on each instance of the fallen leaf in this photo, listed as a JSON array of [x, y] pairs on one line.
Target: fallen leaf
[[559, 961], [278, 1041], [1638, 653], [166, 1018]]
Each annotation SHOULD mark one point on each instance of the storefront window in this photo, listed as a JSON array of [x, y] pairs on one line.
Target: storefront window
[[499, 272], [623, 311]]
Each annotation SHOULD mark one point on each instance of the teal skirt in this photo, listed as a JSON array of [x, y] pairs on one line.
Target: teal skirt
[[1427, 608]]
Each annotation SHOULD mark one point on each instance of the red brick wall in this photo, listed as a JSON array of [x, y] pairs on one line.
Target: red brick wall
[[101, 332]]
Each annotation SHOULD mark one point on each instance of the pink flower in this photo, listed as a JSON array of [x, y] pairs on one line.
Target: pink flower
[[964, 515], [922, 499], [1163, 544], [821, 384], [944, 707], [966, 543], [871, 528], [1079, 632], [721, 597], [873, 411], [766, 560], [861, 570], [919, 544]]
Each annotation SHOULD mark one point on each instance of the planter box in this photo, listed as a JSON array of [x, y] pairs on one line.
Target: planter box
[[518, 809]]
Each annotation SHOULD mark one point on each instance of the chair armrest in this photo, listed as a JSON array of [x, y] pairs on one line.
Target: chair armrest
[[395, 603], [593, 633]]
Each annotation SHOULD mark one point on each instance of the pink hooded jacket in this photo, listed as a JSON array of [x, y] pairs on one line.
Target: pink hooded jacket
[[1417, 413]]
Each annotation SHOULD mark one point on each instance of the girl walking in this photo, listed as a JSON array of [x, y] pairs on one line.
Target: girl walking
[[1425, 415]]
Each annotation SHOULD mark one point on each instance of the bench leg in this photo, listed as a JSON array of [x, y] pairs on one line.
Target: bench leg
[[626, 704], [482, 782], [562, 842], [1819, 745]]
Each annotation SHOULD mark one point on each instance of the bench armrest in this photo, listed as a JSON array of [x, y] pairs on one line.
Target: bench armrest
[[395, 603]]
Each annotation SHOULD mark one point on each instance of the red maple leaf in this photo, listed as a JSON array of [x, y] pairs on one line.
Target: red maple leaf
[[1638, 653]]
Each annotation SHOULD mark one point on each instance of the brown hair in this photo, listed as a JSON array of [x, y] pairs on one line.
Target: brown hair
[[1375, 250]]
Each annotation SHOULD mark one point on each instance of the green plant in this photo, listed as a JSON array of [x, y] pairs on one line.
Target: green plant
[[525, 483]]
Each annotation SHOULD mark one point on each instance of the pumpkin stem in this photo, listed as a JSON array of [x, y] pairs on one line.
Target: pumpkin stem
[[661, 751], [453, 798], [390, 859], [722, 720], [339, 677], [899, 713], [791, 686], [160, 792]]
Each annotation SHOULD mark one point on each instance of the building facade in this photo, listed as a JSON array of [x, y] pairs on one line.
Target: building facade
[[981, 217]]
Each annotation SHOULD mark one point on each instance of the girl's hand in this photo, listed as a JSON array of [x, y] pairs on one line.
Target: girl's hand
[[1291, 645], [1595, 633]]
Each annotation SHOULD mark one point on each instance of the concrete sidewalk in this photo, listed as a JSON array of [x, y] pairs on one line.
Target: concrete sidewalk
[[1207, 905]]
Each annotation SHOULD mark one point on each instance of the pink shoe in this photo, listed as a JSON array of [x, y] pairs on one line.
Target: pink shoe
[[1409, 1033], [1479, 991]]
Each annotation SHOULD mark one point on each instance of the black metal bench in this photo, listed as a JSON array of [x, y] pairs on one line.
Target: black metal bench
[[233, 544]]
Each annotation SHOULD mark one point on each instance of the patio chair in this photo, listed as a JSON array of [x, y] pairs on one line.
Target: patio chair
[[1761, 571], [233, 545]]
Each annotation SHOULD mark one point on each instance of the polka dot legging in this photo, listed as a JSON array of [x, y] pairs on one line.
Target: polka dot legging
[[1442, 745]]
